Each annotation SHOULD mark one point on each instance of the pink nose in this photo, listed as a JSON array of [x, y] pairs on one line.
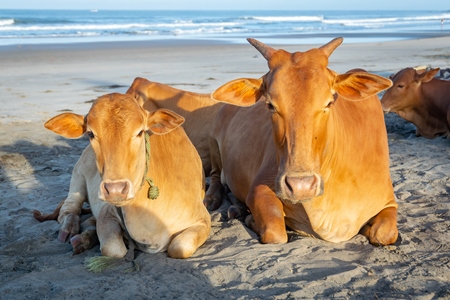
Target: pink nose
[[303, 187], [115, 191]]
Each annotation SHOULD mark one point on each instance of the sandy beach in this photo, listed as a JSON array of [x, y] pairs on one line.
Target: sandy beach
[[40, 81]]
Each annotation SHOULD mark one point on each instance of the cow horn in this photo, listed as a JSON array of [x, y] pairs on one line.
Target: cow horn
[[331, 46], [265, 50]]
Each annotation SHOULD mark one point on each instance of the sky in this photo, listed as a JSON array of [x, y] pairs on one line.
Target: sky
[[440, 5]]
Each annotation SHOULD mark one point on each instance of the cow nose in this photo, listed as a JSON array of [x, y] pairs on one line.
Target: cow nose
[[303, 187], [115, 191], [385, 109]]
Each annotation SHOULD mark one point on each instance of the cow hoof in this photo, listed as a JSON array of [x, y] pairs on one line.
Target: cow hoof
[[78, 244], [214, 196], [69, 228], [249, 222], [233, 212], [237, 211], [84, 241], [212, 204]]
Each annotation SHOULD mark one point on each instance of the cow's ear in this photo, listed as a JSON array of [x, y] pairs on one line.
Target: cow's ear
[[359, 85], [68, 125], [240, 92], [163, 121], [427, 76]]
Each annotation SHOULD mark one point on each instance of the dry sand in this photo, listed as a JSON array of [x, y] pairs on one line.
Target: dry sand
[[37, 82]]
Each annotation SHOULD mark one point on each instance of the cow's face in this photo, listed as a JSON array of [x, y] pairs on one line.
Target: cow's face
[[116, 126], [299, 104], [300, 92], [405, 91]]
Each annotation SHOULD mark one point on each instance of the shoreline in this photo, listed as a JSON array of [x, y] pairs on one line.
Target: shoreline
[[279, 39]]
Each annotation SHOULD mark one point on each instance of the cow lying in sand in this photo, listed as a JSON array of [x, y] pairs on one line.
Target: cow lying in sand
[[145, 188], [421, 99], [199, 111], [313, 157]]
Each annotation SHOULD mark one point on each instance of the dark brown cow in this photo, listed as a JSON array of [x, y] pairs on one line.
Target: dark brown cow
[[313, 157], [421, 99]]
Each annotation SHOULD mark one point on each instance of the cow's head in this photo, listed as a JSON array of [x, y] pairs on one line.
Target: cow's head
[[300, 91], [116, 126], [405, 91]]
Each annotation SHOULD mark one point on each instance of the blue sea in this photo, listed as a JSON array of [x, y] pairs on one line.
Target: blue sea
[[69, 26]]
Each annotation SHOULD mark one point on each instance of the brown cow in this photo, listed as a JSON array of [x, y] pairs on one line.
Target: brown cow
[[120, 170], [313, 157], [198, 110], [421, 99]]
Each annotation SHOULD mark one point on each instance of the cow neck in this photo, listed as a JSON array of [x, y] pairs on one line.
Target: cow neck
[[153, 191]]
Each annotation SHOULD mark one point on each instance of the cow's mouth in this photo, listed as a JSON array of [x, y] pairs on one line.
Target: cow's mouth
[[117, 201], [295, 201]]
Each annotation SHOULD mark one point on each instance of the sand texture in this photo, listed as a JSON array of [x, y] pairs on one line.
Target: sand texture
[[38, 82]]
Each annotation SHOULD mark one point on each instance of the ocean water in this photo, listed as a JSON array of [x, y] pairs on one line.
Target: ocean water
[[67, 26]]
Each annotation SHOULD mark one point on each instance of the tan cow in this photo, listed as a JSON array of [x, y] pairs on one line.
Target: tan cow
[[198, 110], [121, 171], [421, 99], [313, 157]]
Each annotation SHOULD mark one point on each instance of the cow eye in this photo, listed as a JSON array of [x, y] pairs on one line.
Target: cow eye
[[270, 106], [140, 133], [329, 104], [90, 134], [400, 86]]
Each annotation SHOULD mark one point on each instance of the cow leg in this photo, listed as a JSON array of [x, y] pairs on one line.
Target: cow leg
[[267, 216], [216, 192], [55, 214], [52, 216], [214, 196], [188, 241], [69, 228], [382, 229], [87, 238], [71, 208], [71, 225], [110, 233]]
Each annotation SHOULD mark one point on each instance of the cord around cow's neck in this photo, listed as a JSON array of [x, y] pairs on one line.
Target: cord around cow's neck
[[153, 191]]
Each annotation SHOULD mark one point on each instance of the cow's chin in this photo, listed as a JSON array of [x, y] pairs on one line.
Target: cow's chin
[[117, 201], [293, 201], [386, 110]]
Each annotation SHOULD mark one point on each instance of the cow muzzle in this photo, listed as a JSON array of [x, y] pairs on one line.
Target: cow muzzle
[[386, 110], [116, 192], [297, 188]]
